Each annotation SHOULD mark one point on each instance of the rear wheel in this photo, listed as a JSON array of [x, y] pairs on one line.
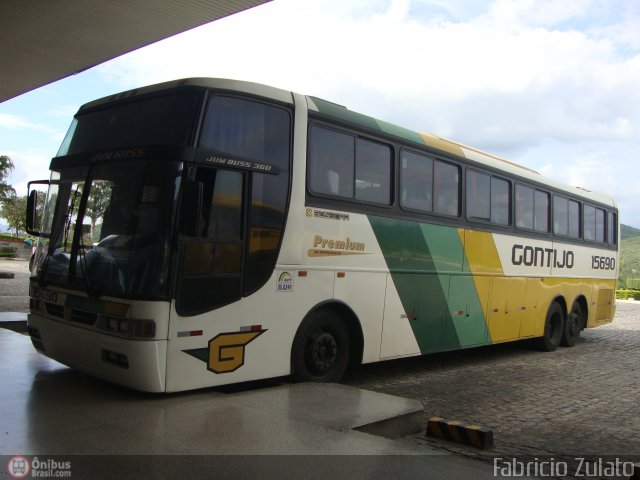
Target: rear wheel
[[320, 350], [553, 329], [572, 326]]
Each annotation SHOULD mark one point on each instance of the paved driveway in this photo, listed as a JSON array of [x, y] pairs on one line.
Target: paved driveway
[[574, 402], [14, 292]]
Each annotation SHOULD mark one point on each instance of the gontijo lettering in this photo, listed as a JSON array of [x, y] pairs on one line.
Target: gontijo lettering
[[541, 257]]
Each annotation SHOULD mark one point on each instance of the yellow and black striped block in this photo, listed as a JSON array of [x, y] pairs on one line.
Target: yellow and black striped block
[[468, 434]]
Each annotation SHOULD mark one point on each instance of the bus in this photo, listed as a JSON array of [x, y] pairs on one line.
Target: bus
[[204, 232]]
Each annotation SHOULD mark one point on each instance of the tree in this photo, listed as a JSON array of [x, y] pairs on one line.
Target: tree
[[13, 209], [6, 167], [97, 203]]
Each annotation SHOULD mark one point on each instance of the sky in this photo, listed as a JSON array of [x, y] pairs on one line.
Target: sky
[[553, 85]]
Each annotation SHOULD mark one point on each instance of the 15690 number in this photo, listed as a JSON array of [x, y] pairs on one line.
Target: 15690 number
[[603, 263]]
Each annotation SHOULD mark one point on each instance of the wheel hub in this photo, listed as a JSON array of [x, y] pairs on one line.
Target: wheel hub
[[324, 351], [573, 323]]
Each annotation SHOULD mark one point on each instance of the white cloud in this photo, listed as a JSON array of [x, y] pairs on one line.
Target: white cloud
[[519, 78], [301, 46], [17, 122], [514, 15], [63, 111], [14, 121], [29, 165], [597, 173]]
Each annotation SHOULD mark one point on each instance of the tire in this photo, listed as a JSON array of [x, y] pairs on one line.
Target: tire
[[320, 351], [572, 326], [553, 329]]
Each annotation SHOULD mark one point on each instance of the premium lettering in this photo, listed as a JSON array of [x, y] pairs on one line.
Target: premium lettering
[[347, 244]]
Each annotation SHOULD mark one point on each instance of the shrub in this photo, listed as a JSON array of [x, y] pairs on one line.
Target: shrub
[[628, 294], [9, 252], [622, 294]]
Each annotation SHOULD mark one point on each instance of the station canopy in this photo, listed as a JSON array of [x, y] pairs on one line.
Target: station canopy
[[44, 41]]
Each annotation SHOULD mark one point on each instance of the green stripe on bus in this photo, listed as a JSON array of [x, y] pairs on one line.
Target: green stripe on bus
[[468, 318], [429, 270], [416, 279], [344, 114], [400, 132]]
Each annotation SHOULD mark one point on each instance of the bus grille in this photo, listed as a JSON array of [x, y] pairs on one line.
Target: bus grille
[[55, 310], [79, 316], [86, 318]]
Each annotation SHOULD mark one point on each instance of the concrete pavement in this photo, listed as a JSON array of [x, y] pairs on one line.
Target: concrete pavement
[[579, 402], [14, 292], [47, 409]]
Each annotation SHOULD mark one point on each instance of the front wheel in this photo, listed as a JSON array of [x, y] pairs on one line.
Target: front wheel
[[553, 329], [320, 350], [572, 326]]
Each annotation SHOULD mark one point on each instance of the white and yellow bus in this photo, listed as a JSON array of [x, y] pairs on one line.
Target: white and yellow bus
[[204, 232]]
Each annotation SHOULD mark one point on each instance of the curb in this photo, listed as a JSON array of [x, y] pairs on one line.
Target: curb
[[467, 434], [18, 327]]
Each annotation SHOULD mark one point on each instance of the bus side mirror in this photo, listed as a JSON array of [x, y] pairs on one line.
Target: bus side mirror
[[32, 208], [191, 208]]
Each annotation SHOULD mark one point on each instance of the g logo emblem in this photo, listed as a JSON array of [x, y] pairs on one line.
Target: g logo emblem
[[226, 351]]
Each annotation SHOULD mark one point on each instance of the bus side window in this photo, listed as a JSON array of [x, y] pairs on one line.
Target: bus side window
[[488, 198], [566, 217], [416, 182], [524, 207], [589, 225], [333, 181], [541, 211], [594, 224], [345, 166], [212, 261], [532, 209], [574, 219], [225, 209], [446, 188], [478, 196], [560, 216], [331, 162], [373, 172], [500, 201], [612, 229], [600, 226]]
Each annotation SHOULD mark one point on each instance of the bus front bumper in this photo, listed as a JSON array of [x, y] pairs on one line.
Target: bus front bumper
[[137, 364]]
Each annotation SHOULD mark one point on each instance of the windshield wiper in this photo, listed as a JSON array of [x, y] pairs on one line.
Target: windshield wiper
[[64, 225], [82, 260]]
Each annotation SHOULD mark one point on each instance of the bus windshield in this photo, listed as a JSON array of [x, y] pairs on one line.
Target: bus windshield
[[149, 120], [109, 228]]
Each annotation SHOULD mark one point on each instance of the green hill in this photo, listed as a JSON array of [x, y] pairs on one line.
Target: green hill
[[629, 232], [629, 276]]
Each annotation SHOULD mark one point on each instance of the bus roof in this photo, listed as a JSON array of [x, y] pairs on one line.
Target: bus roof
[[241, 86], [347, 116]]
